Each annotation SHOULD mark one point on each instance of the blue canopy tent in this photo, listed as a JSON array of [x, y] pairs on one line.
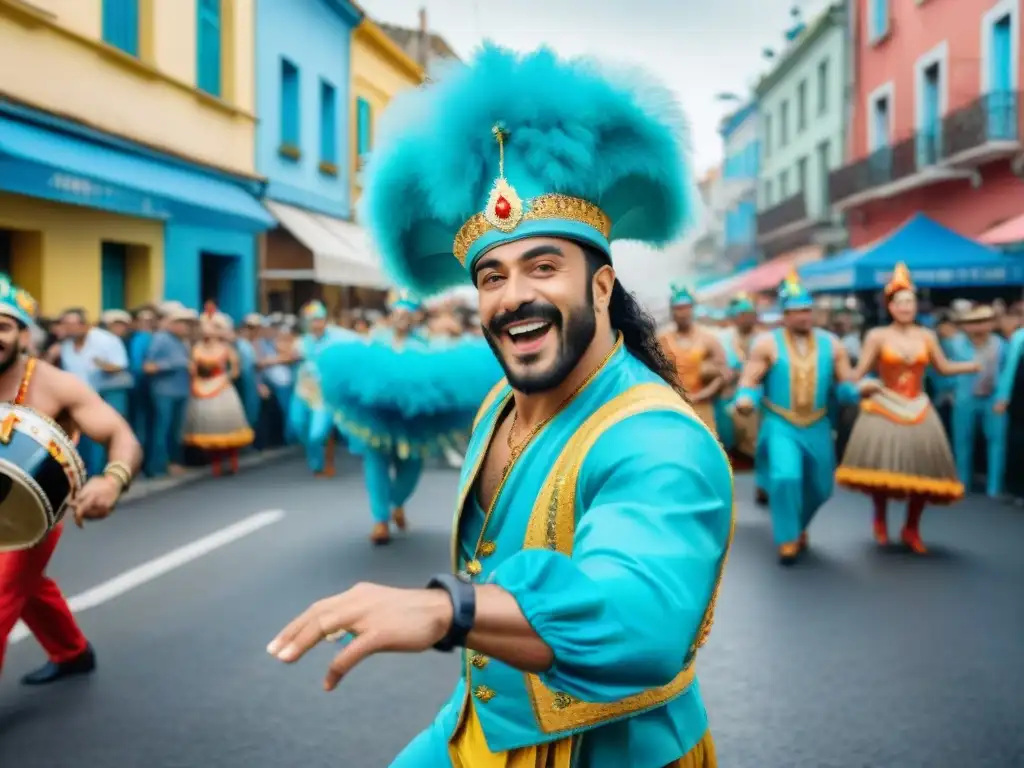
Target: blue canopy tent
[[834, 274], [937, 257]]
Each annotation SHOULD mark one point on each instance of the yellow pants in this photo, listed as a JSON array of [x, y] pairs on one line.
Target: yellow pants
[[469, 750]]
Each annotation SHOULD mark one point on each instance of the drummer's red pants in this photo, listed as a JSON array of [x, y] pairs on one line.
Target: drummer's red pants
[[26, 593]]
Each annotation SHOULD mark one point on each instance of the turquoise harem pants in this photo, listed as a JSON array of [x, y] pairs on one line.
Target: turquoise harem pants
[[800, 478], [390, 481]]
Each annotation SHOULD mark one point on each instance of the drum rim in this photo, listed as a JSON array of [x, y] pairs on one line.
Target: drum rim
[[29, 483], [70, 450]]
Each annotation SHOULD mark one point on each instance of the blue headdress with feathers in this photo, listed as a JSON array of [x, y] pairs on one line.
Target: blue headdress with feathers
[[681, 296], [515, 146], [402, 300], [741, 303], [793, 295], [15, 302]]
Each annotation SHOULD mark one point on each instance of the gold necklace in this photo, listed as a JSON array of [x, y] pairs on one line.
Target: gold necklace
[[515, 451]]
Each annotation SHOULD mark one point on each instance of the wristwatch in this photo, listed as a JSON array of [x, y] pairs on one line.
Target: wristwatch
[[463, 596]]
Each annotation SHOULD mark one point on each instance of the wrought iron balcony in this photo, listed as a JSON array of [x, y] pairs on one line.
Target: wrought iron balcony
[[789, 211], [993, 118], [985, 129]]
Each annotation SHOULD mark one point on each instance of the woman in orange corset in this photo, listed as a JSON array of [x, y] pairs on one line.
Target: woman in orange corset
[[898, 448], [215, 421], [699, 356]]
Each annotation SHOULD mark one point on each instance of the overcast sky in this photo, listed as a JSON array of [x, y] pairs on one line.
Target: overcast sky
[[698, 47]]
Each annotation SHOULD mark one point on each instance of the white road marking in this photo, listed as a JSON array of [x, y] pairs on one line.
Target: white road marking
[[161, 566]]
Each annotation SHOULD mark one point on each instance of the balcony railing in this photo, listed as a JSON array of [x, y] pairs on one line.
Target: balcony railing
[[789, 211], [963, 133], [993, 117]]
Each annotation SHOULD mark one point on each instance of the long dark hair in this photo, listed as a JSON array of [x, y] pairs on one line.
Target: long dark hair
[[639, 330]]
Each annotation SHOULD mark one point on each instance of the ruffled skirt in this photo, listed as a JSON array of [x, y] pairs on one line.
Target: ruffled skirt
[[216, 421], [899, 448]]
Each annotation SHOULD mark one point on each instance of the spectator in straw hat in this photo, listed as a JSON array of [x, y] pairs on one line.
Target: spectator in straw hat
[[167, 365]]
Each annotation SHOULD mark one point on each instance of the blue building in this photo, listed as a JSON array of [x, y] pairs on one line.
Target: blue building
[[739, 133], [303, 56]]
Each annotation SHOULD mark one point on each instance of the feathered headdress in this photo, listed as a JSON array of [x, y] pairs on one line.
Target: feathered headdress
[[740, 303], [793, 295], [681, 296], [520, 145], [403, 300], [900, 282], [16, 303]]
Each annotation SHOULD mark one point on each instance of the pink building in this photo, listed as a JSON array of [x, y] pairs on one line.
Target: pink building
[[935, 116]]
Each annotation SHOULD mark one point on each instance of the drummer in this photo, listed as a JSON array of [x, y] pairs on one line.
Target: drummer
[[26, 593]]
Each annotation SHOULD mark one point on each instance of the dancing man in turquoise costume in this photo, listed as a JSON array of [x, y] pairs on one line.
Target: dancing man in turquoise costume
[[595, 508], [309, 421], [792, 372]]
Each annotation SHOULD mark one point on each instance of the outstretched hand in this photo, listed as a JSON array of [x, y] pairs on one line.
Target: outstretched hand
[[377, 619]]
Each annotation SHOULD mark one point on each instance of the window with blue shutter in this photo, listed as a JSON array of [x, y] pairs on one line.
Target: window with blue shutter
[[289, 104], [208, 46], [364, 129], [878, 19], [328, 123], [114, 275], [121, 25]]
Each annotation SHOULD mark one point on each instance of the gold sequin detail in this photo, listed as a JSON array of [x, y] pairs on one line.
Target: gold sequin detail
[[473, 568], [550, 206], [562, 701], [483, 693], [479, 661], [488, 548]]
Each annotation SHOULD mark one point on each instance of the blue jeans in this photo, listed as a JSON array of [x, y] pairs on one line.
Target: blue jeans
[[168, 425], [93, 454]]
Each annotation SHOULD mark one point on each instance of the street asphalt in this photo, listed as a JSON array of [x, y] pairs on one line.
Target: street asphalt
[[855, 658]]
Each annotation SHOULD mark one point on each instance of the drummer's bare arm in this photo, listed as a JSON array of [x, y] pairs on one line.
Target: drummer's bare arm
[[90, 413]]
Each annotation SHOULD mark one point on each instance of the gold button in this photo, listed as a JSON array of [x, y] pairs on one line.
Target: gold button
[[473, 568], [479, 661], [488, 548], [483, 693]]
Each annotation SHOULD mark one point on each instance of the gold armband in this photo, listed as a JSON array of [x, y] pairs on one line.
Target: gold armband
[[120, 472]]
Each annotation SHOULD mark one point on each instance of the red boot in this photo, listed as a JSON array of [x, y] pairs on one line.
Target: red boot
[[911, 535], [881, 503]]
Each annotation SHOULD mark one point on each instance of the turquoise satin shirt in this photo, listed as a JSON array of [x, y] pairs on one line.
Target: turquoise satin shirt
[[611, 532]]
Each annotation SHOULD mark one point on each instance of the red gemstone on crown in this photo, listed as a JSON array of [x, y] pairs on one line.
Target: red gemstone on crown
[[502, 208]]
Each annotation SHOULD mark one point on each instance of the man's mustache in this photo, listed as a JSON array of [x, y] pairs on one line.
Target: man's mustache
[[533, 311]]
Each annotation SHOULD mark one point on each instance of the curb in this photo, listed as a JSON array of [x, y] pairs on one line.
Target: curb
[[155, 486]]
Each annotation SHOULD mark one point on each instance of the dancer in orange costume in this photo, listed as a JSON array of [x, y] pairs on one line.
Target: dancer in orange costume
[[898, 448], [698, 354], [215, 420]]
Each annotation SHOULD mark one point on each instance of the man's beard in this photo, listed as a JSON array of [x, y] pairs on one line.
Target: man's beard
[[574, 337], [9, 356]]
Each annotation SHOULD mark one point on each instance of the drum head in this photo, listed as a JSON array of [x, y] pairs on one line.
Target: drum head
[[23, 519]]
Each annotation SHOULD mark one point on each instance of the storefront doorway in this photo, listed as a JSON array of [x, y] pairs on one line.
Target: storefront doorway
[[6, 251], [218, 281]]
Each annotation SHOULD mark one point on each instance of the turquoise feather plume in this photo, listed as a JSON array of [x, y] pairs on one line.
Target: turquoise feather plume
[[615, 138]]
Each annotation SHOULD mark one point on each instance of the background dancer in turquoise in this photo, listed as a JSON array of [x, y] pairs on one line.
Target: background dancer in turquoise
[[792, 372], [309, 420], [400, 397], [594, 510], [737, 431]]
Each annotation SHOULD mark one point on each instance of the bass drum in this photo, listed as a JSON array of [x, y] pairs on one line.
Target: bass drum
[[40, 472]]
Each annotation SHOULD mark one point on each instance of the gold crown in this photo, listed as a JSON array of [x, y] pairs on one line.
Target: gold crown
[[505, 210]]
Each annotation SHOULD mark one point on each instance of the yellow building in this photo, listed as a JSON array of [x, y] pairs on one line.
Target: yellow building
[[127, 134], [380, 69]]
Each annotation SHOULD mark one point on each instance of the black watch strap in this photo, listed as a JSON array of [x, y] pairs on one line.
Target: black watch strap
[[463, 597]]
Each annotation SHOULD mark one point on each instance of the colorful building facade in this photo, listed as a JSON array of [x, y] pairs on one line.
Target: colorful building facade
[[126, 153], [380, 70], [741, 148], [304, 95], [802, 122], [936, 123]]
